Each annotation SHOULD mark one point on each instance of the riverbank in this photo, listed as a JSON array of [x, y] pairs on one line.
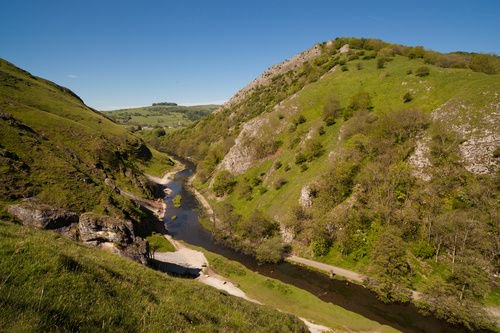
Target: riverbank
[[185, 256]]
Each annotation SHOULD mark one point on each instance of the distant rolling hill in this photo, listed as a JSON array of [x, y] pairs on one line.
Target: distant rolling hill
[[159, 115]]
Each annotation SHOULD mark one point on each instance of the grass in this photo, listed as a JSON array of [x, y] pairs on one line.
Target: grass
[[159, 165], [51, 284], [160, 243], [493, 298], [55, 148], [290, 299], [177, 201]]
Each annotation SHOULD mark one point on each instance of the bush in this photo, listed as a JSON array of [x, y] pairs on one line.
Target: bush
[[359, 66], [360, 101], [485, 63], [258, 226], [304, 167], [301, 119], [300, 158], [277, 165], [177, 201], [381, 62], [407, 97], [409, 72], [159, 132], [280, 183], [320, 247], [321, 131], [423, 249], [313, 150], [224, 183], [331, 110], [270, 251], [422, 71], [344, 68]]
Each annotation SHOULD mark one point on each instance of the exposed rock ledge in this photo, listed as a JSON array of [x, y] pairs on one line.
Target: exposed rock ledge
[[111, 234]]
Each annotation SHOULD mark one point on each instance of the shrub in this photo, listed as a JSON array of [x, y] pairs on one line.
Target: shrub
[[381, 62], [407, 97], [304, 167], [277, 165], [270, 251], [300, 158], [485, 63], [313, 150], [280, 183], [321, 130], [344, 68], [360, 101], [159, 132], [423, 249], [258, 226], [331, 110], [301, 119], [245, 192], [422, 71], [409, 72], [320, 247], [224, 183], [177, 201], [359, 66]]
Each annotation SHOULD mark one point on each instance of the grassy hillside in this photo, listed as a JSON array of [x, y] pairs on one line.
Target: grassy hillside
[[380, 158], [166, 116], [55, 148], [50, 284]]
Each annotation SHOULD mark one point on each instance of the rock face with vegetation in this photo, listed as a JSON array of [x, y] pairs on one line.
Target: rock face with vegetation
[[112, 234], [360, 145]]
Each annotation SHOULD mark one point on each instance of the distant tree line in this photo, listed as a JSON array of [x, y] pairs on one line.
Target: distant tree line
[[164, 104]]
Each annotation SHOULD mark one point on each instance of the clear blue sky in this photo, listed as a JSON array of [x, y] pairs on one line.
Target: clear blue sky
[[116, 53]]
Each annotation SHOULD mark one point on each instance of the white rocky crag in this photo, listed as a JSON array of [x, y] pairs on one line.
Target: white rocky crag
[[479, 130], [265, 78], [306, 197], [241, 156], [420, 161]]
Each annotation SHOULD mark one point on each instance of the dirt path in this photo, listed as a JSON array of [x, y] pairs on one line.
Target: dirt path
[[353, 276], [195, 259]]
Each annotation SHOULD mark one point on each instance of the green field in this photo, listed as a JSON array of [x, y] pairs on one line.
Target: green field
[[168, 117]]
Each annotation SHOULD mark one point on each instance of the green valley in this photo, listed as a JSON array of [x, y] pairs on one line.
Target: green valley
[[166, 116], [377, 157]]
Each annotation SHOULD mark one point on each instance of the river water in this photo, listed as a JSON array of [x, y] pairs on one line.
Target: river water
[[350, 296]]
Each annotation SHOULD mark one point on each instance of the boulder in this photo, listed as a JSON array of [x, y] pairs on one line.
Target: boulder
[[306, 197], [114, 235], [36, 214], [95, 229]]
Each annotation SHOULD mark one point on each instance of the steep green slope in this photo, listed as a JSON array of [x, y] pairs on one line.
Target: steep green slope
[[55, 148], [166, 116], [377, 157], [50, 284]]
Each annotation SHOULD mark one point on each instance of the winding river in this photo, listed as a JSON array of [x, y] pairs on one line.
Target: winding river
[[353, 297]]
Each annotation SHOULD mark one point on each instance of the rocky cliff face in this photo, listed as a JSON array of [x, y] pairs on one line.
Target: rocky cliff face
[[111, 234], [42, 216]]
